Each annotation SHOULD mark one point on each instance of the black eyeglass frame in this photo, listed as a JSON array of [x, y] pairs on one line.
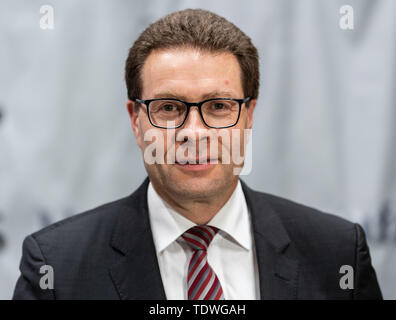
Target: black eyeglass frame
[[189, 105]]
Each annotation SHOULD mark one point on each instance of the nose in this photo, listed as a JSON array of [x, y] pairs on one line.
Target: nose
[[194, 129], [194, 120]]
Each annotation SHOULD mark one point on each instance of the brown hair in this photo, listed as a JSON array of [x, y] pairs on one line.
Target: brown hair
[[199, 29]]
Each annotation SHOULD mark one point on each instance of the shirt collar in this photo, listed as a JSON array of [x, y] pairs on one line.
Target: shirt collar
[[233, 218], [167, 225]]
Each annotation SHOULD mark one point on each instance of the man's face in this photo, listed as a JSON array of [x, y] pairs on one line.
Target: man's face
[[191, 75]]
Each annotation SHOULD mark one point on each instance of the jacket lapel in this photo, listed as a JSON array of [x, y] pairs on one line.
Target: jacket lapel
[[136, 276], [278, 269]]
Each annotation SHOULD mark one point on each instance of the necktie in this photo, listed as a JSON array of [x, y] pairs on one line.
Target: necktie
[[202, 282]]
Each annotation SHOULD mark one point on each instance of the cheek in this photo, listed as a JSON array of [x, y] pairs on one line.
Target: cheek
[[243, 119], [146, 130], [238, 141], [155, 145], [230, 143]]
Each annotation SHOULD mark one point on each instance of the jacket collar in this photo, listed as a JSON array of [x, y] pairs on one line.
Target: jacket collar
[[137, 275], [278, 269]]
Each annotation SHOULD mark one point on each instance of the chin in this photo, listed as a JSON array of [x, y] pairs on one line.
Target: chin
[[197, 186]]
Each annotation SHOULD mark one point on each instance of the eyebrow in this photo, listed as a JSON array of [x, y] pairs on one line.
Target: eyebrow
[[210, 95]]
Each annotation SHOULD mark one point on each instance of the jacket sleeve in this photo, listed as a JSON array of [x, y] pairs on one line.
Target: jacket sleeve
[[28, 284], [366, 283]]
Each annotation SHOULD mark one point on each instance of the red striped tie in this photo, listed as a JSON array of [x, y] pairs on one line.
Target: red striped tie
[[202, 282]]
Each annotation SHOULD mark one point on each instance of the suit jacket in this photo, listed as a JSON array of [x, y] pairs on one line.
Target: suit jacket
[[108, 253]]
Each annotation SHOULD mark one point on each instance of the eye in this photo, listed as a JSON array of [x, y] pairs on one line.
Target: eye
[[169, 107], [218, 106]]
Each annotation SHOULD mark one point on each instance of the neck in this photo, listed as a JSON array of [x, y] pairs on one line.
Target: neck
[[199, 211]]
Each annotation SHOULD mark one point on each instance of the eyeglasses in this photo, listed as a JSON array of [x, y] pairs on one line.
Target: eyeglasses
[[172, 113]]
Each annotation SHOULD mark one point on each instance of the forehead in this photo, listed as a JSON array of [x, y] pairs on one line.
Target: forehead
[[191, 72]]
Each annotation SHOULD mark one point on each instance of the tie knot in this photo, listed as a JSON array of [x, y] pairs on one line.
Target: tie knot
[[199, 237]]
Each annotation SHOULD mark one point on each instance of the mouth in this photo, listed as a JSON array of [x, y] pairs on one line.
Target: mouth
[[197, 164]]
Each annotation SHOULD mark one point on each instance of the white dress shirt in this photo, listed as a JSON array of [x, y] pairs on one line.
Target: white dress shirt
[[231, 254]]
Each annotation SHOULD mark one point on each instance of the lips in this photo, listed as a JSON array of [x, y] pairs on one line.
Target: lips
[[196, 167], [197, 161]]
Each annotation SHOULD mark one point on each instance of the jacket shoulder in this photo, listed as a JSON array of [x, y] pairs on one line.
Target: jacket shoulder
[[302, 215], [310, 228], [97, 221]]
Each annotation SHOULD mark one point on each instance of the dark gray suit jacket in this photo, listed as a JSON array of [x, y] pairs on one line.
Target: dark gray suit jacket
[[109, 253]]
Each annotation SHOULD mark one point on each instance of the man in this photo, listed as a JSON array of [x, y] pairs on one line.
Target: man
[[193, 229]]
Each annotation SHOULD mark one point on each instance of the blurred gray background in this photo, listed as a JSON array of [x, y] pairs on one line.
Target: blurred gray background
[[324, 130]]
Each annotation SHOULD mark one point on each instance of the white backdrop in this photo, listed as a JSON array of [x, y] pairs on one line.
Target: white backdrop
[[324, 130]]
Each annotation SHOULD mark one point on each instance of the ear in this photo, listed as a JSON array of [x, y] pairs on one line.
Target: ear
[[134, 117]]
